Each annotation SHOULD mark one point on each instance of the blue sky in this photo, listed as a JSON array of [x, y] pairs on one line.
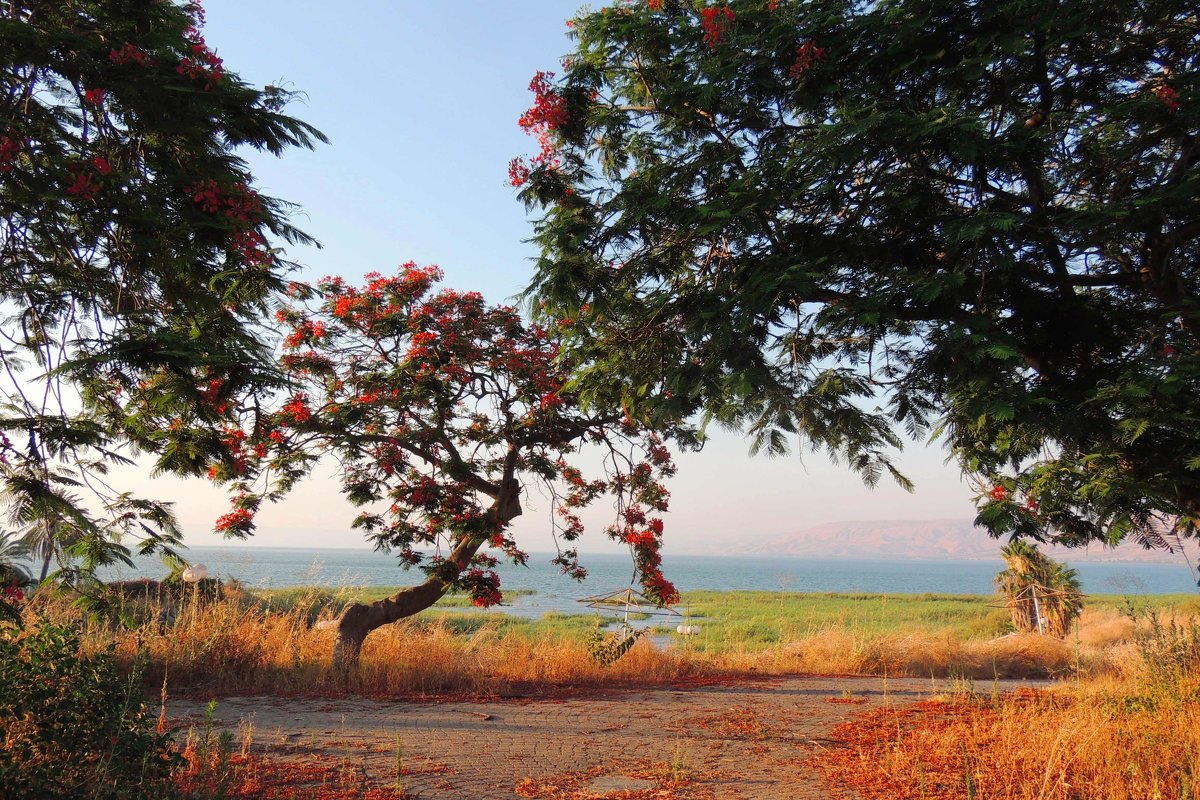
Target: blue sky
[[420, 101]]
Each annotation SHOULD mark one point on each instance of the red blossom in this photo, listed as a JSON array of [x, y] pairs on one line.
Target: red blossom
[[243, 207], [85, 186], [240, 520], [715, 21], [547, 114], [998, 492], [9, 148], [518, 172], [296, 410], [95, 96], [102, 166], [807, 55], [654, 5], [1168, 97], [131, 54]]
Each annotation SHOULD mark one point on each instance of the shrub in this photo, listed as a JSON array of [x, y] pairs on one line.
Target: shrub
[[72, 725]]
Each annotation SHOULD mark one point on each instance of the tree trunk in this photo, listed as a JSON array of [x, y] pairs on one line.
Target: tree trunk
[[46, 564], [360, 619]]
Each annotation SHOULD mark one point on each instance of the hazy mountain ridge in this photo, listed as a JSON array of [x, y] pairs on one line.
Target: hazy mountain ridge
[[925, 539]]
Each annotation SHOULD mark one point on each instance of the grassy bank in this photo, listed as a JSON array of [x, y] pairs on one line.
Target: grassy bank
[[266, 641]]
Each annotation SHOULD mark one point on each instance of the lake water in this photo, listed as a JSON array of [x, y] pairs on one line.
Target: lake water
[[282, 567]]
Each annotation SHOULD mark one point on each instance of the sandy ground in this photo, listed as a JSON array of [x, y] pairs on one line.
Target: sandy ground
[[747, 741]]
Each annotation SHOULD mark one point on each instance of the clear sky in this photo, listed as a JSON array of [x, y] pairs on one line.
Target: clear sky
[[420, 102]]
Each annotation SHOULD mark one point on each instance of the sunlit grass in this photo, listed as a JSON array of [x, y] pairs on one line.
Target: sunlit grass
[[268, 642]]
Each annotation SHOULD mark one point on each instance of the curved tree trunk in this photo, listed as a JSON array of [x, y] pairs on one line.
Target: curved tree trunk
[[359, 619]]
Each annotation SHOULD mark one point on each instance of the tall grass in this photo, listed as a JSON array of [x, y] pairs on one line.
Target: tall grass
[[246, 643], [1134, 733]]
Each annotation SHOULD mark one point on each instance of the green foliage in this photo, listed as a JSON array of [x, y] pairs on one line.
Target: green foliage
[[74, 726], [848, 223], [1170, 652], [135, 266], [607, 648]]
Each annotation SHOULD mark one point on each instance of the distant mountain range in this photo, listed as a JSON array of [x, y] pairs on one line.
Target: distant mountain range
[[923, 539]]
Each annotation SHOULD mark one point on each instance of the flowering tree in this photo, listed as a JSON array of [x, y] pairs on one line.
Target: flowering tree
[[441, 412], [847, 222], [135, 257]]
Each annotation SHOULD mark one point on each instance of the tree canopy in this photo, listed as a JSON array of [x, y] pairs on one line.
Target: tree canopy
[[137, 262], [442, 413], [852, 223]]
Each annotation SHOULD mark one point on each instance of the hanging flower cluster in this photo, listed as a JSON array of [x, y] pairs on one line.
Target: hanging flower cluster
[[243, 208], [1168, 97], [547, 114], [641, 531], [201, 64], [10, 148], [715, 22], [807, 55], [132, 54]]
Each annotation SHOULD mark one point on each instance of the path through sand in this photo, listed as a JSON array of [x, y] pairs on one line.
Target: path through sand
[[746, 741]]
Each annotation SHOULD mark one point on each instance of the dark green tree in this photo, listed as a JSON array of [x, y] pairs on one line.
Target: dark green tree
[[136, 258], [852, 222]]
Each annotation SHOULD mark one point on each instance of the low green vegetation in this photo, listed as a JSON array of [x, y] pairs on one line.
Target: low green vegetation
[[758, 620], [743, 620], [75, 725]]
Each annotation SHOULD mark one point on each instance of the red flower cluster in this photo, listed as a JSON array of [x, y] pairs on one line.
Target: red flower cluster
[[296, 410], [9, 148], [131, 54], [807, 55], [715, 21], [95, 96], [240, 520], [654, 5], [1168, 96], [203, 64], [772, 5], [13, 593], [548, 114], [549, 110], [518, 172], [87, 181], [306, 331], [84, 187], [998, 493], [484, 586], [244, 207]]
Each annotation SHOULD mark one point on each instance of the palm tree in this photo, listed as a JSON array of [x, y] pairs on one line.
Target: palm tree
[[13, 551], [48, 540], [1042, 594]]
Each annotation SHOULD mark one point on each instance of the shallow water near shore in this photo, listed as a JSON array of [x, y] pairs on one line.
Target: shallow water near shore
[[269, 567]]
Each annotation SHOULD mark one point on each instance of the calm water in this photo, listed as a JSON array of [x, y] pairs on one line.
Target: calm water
[[282, 567]]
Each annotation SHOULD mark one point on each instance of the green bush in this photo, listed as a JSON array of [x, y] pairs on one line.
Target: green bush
[[72, 726]]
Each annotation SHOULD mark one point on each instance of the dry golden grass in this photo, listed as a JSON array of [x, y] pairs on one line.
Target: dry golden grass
[[1101, 740], [240, 646], [1131, 733]]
